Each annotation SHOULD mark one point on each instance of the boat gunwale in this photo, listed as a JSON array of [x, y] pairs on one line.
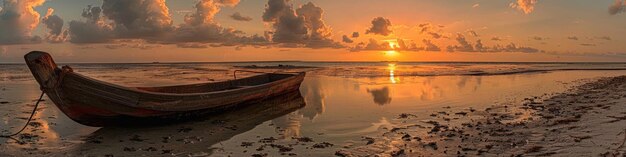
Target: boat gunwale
[[139, 91]]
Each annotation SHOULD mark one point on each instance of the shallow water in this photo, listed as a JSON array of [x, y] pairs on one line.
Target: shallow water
[[344, 102]]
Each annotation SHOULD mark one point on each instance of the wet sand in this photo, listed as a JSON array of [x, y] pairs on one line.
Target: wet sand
[[588, 120]]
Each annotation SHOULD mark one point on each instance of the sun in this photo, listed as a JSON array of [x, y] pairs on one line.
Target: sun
[[391, 53]]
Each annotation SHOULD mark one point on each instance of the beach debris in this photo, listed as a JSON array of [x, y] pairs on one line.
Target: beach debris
[[323, 145], [303, 139]]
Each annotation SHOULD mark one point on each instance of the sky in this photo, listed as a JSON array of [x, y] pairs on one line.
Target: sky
[[314, 30]]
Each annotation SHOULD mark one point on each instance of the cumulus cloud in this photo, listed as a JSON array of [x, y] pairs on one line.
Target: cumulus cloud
[[429, 46], [18, 19], [237, 16], [387, 45], [380, 26], [150, 20], [618, 7], [347, 39], [54, 24], [466, 46], [473, 33], [138, 19], [92, 30], [200, 27], [527, 6], [301, 26], [355, 35]]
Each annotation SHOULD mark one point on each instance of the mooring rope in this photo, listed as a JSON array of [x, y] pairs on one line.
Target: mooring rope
[[29, 119]]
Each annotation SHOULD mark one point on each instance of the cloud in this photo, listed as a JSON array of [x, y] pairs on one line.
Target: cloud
[[355, 35], [131, 43], [465, 46], [300, 27], [473, 33], [93, 30], [605, 38], [496, 39], [138, 19], [18, 19], [54, 24], [429, 46], [386, 45], [572, 38], [347, 39], [587, 44], [435, 35], [150, 20], [380, 26], [618, 7], [538, 38], [237, 16], [476, 5], [527, 6]]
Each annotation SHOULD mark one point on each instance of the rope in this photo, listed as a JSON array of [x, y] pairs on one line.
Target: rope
[[29, 119]]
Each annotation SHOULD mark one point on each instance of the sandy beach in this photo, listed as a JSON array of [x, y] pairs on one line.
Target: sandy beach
[[588, 120]]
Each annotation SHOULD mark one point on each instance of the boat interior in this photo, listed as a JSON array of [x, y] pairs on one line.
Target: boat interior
[[219, 86]]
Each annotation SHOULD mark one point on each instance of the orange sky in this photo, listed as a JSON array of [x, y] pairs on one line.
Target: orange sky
[[317, 30]]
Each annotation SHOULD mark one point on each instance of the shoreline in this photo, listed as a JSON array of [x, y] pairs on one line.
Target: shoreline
[[587, 120]]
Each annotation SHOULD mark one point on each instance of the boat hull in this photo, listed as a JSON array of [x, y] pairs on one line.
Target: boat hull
[[96, 103]]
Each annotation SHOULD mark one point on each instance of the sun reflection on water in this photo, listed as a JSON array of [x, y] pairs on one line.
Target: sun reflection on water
[[392, 75]]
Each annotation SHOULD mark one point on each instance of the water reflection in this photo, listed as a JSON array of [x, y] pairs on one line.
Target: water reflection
[[314, 93], [392, 75], [381, 96], [193, 137]]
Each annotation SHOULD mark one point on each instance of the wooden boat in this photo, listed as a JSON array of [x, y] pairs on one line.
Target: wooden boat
[[96, 103]]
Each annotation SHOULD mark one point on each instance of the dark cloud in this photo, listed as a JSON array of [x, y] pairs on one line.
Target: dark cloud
[[435, 35], [18, 19], [618, 7], [347, 39], [302, 26], [527, 6], [429, 46], [138, 19], [465, 46], [92, 30], [380, 26], [355, 35], [54, 24], [150, 20], [237, 16], [572, 38]]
